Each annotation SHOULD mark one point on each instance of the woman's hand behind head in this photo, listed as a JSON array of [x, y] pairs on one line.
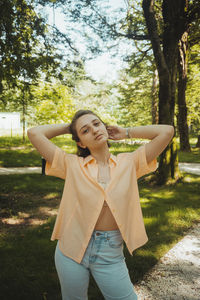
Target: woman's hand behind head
[[116, 132]]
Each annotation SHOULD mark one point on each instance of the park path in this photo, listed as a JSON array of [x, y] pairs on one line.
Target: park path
[[21, 170], [193, 168], [177, 274]]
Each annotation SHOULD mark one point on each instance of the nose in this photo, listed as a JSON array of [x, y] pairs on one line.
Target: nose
[[95, 129]]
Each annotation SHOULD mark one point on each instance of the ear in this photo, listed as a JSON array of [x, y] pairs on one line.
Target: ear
[[81, 145]]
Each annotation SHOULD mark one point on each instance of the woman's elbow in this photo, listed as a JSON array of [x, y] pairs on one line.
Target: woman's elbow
[[30, 133], [170, 131]]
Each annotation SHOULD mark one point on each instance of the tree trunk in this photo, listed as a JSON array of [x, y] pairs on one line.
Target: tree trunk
[[166, 62], [154, 104], [168, 166], [182, 82], [198, 142], [24, 114]]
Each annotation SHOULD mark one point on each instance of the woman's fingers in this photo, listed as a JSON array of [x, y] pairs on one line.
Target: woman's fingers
[[113, 132]]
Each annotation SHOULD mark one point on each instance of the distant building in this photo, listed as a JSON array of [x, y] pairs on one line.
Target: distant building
[[10, 120]]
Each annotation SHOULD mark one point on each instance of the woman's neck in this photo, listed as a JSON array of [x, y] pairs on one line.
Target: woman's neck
[[101, 155]]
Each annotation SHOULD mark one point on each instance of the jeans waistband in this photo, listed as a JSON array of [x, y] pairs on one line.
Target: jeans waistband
[[107, 233]]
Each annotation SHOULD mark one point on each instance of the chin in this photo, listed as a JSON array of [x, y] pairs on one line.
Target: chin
[[101, 141]]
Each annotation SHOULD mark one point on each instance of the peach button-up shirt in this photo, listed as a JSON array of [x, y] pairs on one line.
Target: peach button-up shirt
[[83, 199]]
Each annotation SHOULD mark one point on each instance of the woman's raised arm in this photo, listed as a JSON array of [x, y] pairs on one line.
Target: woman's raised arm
[[40, 135], [160, 136]]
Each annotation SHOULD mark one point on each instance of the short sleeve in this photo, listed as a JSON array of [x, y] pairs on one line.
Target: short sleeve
[[58, 167], [142, 167]]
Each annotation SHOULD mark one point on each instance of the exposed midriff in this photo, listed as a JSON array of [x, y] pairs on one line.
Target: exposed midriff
[[106, 220]]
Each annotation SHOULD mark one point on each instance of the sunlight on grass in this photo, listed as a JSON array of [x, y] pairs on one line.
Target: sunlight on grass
[[51, 195], [69, 149], [45, 210], [144, 200], [148, 220], [162, 194], [189, 178], [178, 217], [23, 214], [23, 221]]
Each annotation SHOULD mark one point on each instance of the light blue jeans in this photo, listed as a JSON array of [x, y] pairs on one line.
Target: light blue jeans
[[104, 258]]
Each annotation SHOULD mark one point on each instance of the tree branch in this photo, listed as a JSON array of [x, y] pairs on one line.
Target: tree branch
[[148, 8], [131, 35], [135, 36], [69, 42]]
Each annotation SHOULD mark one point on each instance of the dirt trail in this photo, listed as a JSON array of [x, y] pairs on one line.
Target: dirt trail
[[186, 167], [177, 275]]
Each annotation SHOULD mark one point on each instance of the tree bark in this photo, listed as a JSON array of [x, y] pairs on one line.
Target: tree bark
[[182, 82], [154, 104], [24, 114], [198, 142], [166, 62]]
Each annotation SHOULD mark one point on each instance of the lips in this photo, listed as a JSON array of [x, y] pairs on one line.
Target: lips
[[98, 136]]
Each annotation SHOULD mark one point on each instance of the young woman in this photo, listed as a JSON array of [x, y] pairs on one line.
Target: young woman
[[100, 205]]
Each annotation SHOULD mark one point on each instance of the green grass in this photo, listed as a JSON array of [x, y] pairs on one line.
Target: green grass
[[27, 254], [190, 157], [28, 206], [15, 154]]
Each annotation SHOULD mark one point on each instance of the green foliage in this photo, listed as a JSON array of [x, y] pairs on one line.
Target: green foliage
[[28, 50], [54, 104], [103, 27], [134, 24], [25, 48], [135, 89], [192, 92], [8, 98], [26, 55], [99, 97], [73, 72]]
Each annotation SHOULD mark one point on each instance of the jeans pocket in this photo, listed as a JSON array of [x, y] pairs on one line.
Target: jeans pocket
[[114, 242]]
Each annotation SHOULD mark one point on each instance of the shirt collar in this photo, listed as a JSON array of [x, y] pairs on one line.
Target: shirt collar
[[90, 158]]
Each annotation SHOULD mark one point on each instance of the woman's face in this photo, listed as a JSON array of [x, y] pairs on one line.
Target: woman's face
[[91, 131]]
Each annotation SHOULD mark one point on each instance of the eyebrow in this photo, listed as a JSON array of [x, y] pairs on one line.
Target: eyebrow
[[88, 124]]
